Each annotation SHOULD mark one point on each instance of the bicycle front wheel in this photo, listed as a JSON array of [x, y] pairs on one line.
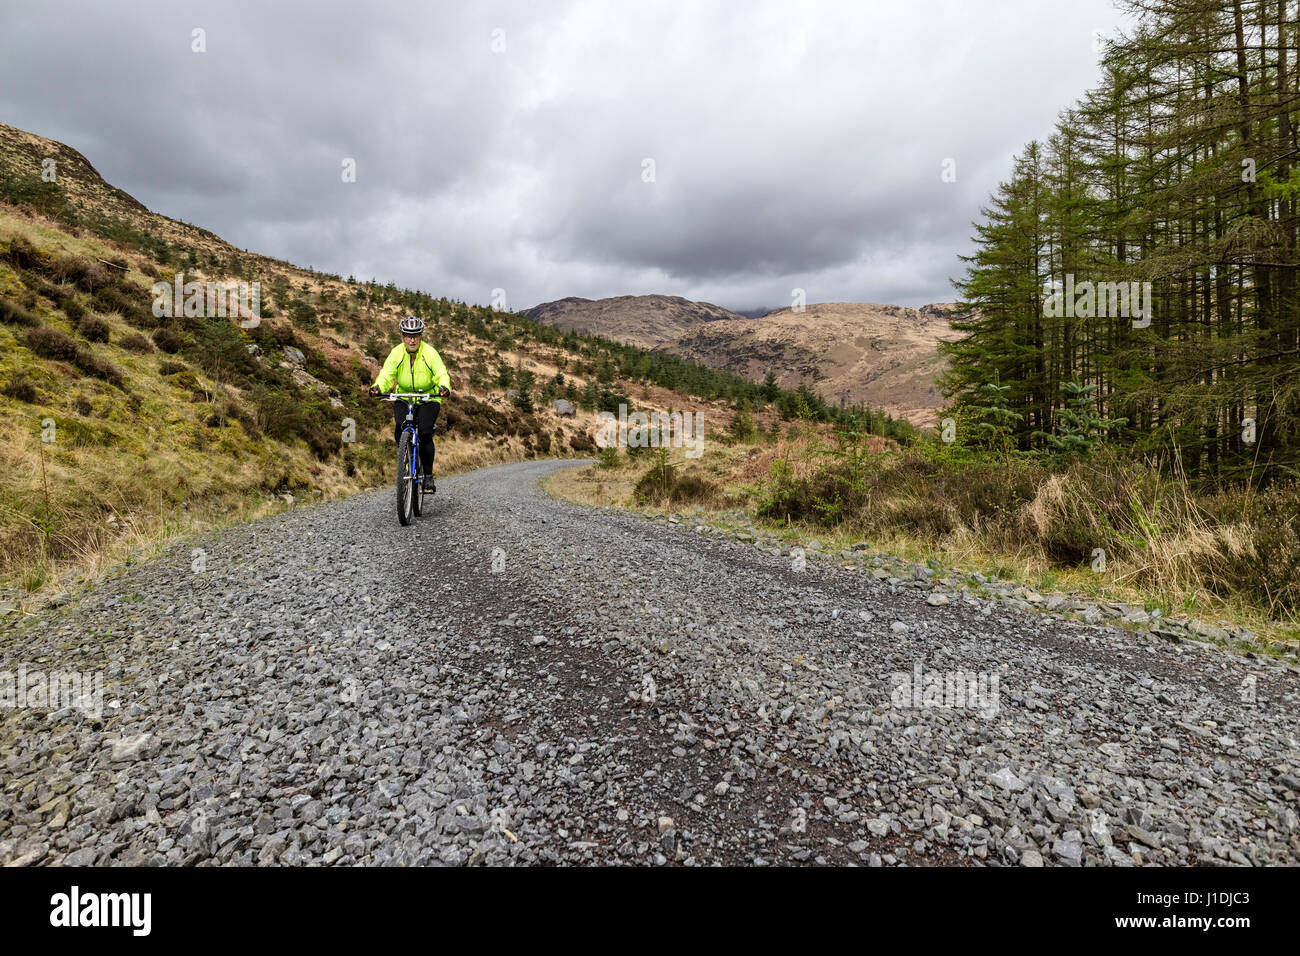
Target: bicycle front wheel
[[405, 493]]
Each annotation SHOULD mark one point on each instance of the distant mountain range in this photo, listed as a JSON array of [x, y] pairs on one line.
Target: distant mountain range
[[883, 355]]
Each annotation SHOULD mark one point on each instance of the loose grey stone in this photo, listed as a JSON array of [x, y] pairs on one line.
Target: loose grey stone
[[290, 722], [132, 748], [1007, 780]]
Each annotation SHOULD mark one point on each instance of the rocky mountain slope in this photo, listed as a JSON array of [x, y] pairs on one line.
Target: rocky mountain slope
[[884, 356], [648, 321]]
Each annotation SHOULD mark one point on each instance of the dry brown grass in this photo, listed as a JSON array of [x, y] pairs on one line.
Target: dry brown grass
[[593, 486]]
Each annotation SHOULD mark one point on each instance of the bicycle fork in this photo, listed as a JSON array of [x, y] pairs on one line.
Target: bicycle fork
[[415, 451], [416, 476]]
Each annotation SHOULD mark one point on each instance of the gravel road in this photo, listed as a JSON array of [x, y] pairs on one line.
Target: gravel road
[[519, 680]]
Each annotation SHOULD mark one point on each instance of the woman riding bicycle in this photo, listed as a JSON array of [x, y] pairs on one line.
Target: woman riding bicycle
[[415, 366]]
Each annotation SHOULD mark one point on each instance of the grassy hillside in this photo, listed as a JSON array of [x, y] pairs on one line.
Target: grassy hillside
[[885, 357], [152, 426]]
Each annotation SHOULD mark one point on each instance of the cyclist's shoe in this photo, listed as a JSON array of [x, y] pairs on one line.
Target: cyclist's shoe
[[429, 487]]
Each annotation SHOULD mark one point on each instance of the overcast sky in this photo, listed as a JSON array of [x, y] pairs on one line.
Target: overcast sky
[[504, 145]]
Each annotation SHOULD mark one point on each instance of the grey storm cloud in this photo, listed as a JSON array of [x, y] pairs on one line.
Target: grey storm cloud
[[504, 145]]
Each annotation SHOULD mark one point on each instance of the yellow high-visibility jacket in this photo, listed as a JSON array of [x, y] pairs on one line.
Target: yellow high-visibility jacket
[[422, 372]]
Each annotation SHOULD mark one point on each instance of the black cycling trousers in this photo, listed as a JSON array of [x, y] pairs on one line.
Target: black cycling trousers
[[426, 415]]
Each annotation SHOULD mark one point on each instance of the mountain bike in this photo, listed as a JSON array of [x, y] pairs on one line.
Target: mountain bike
[[410, 476]]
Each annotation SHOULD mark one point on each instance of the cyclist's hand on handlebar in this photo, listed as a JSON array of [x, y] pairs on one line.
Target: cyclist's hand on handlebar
[[374, 391], [443, 391]]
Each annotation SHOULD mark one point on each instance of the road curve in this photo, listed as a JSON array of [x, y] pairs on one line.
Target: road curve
[[519, 680]]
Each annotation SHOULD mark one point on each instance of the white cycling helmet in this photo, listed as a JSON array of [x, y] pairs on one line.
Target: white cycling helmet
[[411, 325]]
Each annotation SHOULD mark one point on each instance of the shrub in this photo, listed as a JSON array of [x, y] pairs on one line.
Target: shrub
[[1268, 572], [94, 278], [38, 285], [220, 351], [278, 415], [610, 399], [135, 342], [692, 489], [271, 335], [131, 302], [52, 344], [926, 519], [283, 416], [468, 416], [69, 268], [20, 388], [581, 441], [656, 485], [12, 313], [189, 382], [304, 316], [826, 497], [93, 329], [23, 255], [97, 367], [323, 440], [171, 368], [608, 457], [73, 309], [111, 299], [741, 427], [246, 418], [168, 340]]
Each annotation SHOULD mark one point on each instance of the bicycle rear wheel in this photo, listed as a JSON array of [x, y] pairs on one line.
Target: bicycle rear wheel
[[405, 493]]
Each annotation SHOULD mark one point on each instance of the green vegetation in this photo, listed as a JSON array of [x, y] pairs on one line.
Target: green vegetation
[[1175, 181], [663, 484]]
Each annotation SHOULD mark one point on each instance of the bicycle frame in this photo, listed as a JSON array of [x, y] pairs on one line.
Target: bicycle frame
[[416, 476]]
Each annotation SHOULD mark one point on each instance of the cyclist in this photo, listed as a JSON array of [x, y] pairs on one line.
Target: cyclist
[[415, 366]]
